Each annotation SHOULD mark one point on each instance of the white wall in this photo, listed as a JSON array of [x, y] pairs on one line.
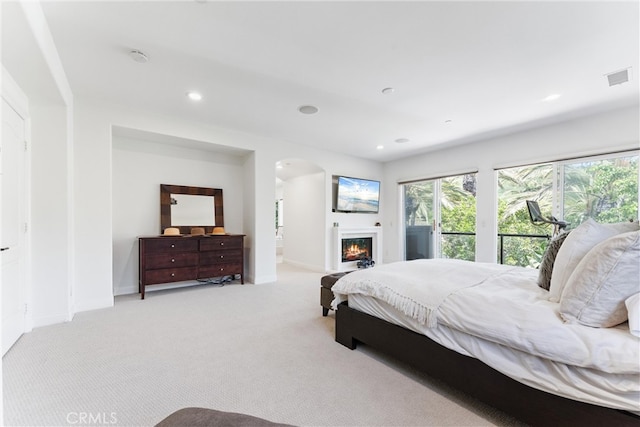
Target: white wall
[[305, 211], [612, 131], [94, 191], [262, 252], [139, 167], [249, 223], [50, 235], [92, 209]]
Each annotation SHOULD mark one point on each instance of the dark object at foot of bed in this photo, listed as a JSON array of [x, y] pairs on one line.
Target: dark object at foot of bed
[[471, 376], [202, 417], [326, 296]]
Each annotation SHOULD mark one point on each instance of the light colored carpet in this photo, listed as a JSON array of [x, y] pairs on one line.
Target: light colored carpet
[[263, 350]]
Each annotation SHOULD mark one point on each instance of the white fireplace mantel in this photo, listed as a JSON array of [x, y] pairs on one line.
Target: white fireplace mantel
[[340, 233]]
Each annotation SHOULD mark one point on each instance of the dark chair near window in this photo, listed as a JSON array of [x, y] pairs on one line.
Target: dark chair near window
[[537, 219]]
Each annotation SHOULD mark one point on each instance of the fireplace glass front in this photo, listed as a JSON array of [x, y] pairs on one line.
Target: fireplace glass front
[[354, 249]]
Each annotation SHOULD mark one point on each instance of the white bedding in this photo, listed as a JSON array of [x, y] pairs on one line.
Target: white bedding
[[413, 295], [508, 323]]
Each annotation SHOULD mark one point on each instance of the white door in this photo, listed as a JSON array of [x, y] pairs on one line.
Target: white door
[[12, 237]]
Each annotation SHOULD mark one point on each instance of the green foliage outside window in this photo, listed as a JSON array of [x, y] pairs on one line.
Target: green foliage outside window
[[458, 214], [603, 189], [515, 187], [418, 203]]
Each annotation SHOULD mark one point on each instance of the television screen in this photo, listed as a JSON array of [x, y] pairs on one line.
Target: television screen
[[357, 195]]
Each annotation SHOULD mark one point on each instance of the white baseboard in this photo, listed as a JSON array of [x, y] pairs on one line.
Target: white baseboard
[[50, 320], [93, 304], [125, 290], [261, 279]]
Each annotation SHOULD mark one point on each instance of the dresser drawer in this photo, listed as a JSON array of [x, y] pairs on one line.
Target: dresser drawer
[[219, 270], [171, 245], [220, 257], [167, 275], [214, 243], [179, 259]]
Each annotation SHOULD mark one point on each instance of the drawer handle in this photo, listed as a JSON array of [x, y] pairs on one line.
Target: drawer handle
[[221, 256], [173, 260], [222, 269], [173, 274], [221, 243], [173, 246]]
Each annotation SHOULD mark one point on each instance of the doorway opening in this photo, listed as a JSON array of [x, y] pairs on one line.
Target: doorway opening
[[300, 213]]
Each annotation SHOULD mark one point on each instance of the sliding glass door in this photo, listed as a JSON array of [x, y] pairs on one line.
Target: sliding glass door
[[440, 218], [419, 219]]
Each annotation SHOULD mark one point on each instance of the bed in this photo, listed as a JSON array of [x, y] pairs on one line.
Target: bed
[[496, 332]]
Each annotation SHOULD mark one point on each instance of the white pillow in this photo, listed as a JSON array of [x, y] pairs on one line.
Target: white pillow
[[596, 292], [575, 247], [633, 310]]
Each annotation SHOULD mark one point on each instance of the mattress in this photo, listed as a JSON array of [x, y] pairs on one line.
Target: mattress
[[510, 325], [619, 391]]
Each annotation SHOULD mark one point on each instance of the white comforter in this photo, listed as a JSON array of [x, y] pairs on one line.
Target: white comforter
[[418, 288], [504, 305]]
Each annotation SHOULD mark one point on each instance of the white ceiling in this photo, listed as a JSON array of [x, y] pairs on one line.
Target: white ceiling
[[485, 66]]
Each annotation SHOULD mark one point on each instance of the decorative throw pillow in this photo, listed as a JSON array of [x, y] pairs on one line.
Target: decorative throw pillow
[[548, 259], [633, 312], [575, 247], [595, 293]]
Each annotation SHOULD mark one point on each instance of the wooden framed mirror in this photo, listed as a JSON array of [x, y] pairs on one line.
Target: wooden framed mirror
[[186, 207]]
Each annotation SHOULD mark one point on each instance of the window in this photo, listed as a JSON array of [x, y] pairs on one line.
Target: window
[[519, 241], [604, 188]]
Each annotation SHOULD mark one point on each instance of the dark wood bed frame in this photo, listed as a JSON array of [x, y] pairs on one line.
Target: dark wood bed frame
[[471, 376]]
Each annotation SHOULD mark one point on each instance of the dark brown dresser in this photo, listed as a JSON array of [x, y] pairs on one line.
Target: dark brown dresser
[[166, 259]]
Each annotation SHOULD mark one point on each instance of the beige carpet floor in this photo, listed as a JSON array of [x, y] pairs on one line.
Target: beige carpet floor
[[263, 350]]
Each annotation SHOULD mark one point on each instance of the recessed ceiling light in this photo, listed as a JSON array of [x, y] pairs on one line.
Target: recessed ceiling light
[[138, 56], [380, 147], [552, 97], [194, 96], [388, 90], [308, 109], [402, 140]]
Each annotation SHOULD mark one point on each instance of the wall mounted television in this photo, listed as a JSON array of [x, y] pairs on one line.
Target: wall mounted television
[[357, 195]]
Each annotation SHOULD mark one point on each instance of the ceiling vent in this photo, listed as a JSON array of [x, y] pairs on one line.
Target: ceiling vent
[[618, 77]]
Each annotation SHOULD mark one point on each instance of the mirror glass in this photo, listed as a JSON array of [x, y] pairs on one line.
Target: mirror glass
[[186, 207]]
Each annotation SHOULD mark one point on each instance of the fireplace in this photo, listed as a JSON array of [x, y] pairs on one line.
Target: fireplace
[[350, 245], [354, 249]]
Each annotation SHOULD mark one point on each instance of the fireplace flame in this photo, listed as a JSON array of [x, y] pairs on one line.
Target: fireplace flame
[[355, 252]]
